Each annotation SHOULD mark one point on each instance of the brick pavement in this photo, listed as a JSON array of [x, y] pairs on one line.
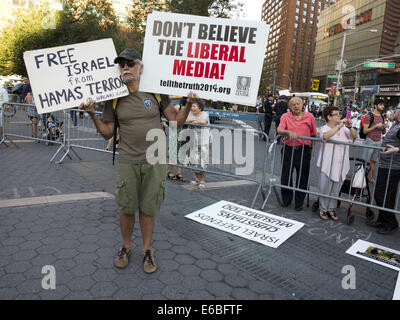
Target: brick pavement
[[80, 239]]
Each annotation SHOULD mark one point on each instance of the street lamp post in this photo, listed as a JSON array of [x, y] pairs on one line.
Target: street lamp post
[[339, 74]]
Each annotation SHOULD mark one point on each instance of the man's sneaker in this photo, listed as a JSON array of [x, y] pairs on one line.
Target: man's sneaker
[[122, 259], [149, 264]]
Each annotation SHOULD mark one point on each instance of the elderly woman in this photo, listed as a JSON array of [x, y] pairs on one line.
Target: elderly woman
[[199, 147], [333, 159]]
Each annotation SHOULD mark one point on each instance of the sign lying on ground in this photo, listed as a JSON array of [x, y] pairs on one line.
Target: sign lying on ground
[[219, 59], [64, 77], [396, 294], [247, 223], [376, 253]]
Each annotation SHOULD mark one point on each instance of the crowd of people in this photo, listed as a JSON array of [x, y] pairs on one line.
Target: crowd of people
[[141, 185], [379, 131]]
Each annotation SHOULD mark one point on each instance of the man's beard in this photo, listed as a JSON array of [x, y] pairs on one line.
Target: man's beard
[[130, 80]]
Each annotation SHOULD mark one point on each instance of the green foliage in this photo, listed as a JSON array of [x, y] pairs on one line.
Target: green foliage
[[87, 20], [213, 8], [137, 16], [31, 30], [137, 13]]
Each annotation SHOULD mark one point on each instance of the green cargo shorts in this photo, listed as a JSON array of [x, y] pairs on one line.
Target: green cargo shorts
[[141, 186]]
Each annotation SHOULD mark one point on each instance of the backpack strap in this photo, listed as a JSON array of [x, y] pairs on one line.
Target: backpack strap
[[116, 125], [114, 104], [158, 98], [371, 119]]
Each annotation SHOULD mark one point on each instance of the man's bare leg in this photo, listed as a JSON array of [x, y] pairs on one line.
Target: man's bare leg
[[127, 223], [147, 226]]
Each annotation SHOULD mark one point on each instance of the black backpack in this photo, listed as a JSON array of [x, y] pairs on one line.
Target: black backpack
[[371, 121]]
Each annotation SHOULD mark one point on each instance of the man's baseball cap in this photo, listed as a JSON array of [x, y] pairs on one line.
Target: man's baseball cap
[[128, 54]]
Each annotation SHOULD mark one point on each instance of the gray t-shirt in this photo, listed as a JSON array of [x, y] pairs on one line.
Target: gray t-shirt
[[392, 137], [137, 113]]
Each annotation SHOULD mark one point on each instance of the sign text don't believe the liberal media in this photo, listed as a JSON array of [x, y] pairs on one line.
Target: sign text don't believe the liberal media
[[219, 59]]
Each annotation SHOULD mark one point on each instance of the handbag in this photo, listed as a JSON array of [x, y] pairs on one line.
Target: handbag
[[359, 180]]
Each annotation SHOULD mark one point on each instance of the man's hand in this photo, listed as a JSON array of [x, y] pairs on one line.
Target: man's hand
[[88, 107], [390, 149], [342, 123], [192, 97]]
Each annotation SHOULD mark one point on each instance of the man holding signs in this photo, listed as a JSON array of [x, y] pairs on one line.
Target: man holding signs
[[141, 185], [219, 59]]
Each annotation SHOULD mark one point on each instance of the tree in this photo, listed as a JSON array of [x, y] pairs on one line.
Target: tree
[[81, 11], [213, 8], [137, 13], [92, 20], [20, 35], [137, 16]]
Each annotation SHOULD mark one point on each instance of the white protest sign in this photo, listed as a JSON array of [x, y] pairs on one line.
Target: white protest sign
[[64, 77], [376, 253], [219, 59], [396, 294], [247, 223]]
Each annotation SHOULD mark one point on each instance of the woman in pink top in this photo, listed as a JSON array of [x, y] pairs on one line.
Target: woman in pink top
[[296, 153], [333, 159]]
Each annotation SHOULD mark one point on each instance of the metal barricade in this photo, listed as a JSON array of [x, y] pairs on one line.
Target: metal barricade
[[236, 119], [83, 133], [284, 160], [14, 98], [232, 152], [21, 121]]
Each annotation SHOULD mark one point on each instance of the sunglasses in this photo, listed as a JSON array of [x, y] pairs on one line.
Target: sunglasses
[[130, 64]]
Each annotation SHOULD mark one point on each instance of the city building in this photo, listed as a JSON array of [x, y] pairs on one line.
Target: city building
[[372, 30], [290, 51]]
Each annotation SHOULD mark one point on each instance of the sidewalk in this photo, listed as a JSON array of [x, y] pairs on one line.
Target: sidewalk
[[76, 229], [80, 238]]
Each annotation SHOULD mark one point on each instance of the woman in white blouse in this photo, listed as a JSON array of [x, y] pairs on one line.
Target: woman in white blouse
[[200, 146], [333, 159]]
